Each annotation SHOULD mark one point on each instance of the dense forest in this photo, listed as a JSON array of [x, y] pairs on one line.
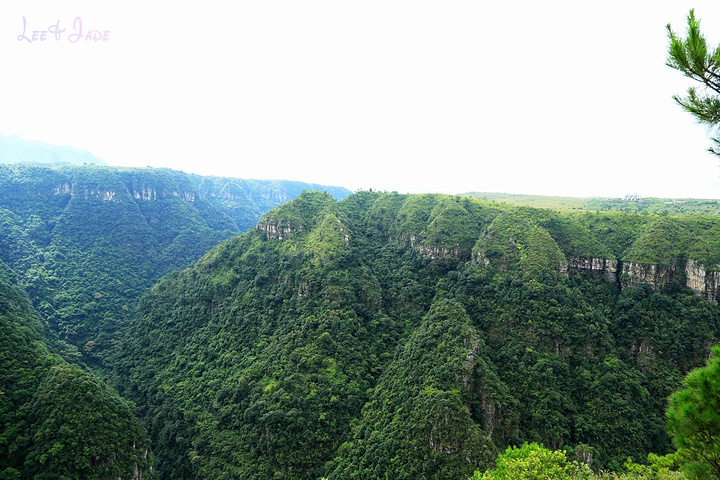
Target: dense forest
[[419, 336], [87, 242], [374, 335], [56, 420], [158, 324]]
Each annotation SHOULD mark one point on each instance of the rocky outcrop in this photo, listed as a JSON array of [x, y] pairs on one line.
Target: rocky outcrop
[[107, 461], [278, 197], [703, 282], [429, 251], [229, 191], [151, 193], [696, 276], [433, 251], [562, 267], [104, 195], [145, 194], [657, 276], [276, 231], [601, 267], [62, 189]]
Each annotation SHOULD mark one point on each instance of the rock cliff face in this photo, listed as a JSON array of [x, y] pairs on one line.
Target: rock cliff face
[[427, 250], [696, 276], [633, 274], [145, 194], [604, 267], [276, 230], [703, 282], [62, 189], [102, 194], [433, 251]]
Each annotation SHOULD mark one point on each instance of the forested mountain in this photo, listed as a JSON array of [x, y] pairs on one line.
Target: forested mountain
[[57, 421], [416, 336], [87, 242]]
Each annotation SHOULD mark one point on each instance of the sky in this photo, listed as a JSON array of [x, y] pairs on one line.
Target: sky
[[549, 98]]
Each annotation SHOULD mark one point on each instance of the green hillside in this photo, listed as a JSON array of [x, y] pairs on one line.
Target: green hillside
[[632, 204], [417, 336], [57, 421], [87, 242]]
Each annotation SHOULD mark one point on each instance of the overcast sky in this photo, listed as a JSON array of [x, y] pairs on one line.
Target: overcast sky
[[554, 98]]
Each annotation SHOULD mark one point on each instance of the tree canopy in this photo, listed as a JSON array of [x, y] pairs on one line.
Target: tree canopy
[[694, 420], [693, 57]]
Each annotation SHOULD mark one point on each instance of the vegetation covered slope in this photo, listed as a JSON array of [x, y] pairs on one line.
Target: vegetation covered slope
[[628, 204], [86, 242], [396, 336], [57, 421]]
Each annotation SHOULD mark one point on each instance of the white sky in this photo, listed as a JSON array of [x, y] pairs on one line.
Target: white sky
[[554, 98]]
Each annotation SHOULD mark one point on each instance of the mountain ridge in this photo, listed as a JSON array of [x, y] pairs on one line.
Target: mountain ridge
[[87, 241], [290, 351]]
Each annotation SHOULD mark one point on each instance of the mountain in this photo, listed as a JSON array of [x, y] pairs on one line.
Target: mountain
[[57, 421], [88, 241], [14, 149], [416, 336]]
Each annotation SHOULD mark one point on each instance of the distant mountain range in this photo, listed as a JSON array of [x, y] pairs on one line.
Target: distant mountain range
[[14, 149], [629, 203]]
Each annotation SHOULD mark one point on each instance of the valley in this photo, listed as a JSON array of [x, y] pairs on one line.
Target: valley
[[370, 335]]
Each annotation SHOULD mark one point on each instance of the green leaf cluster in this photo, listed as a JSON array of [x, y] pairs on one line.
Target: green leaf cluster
[[695, 59]]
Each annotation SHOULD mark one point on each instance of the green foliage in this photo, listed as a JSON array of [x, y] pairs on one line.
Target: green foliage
[[419, 423], [695, 59], [86, 242], [516, 240], [534, 462], [694, 420], [329, 237], [659, 468], [574, 239], [302, 213], [662, 242], [457, 223], [57, 421], [384, 335], [350, 348]]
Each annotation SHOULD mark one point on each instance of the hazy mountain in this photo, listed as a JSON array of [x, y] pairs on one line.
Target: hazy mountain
[[14, 149]]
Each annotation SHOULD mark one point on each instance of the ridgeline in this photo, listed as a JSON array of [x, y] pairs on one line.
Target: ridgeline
[[408, 336]]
